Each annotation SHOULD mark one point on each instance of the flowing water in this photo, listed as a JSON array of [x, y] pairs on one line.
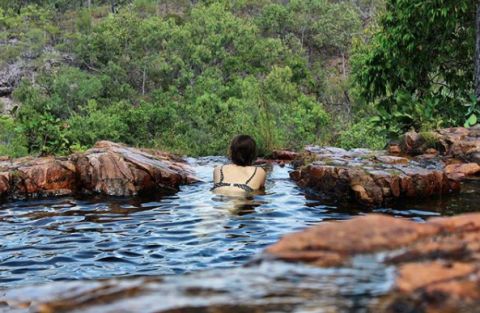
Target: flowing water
[[192, 230]]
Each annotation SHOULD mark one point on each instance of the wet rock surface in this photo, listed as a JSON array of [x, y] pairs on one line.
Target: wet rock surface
[[422, 165], [371, 178], [108, 168], [437, 263], [272, 287]]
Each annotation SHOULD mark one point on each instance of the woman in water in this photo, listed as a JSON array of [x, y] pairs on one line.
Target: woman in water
[[239, 177]]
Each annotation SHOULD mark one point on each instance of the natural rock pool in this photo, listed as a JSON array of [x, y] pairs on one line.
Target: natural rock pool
[[97, 237]]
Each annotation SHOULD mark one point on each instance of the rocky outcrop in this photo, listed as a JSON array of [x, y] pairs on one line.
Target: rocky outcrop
[[370, 177], [461, 170], [285, 155], [113, 169], [437, 263], [27, 63], [108, 168], [36, 177], [461, 143]]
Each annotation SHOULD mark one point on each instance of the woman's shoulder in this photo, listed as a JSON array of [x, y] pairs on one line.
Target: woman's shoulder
[[260, 170]]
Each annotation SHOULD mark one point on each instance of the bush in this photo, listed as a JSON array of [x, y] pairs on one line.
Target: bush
[[363, 135], [12, 141], [188, 83]]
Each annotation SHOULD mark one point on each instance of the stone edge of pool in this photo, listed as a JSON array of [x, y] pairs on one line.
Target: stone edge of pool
[[421, 165]]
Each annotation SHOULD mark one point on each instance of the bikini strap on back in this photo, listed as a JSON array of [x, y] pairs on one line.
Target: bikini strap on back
[[251, 177], [221, 174]]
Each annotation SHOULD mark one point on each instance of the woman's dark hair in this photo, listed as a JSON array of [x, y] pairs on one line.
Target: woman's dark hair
[[243, 150]]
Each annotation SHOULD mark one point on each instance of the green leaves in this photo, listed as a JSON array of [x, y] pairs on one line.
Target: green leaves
[[471, 121], [424, 50], [12, 140], [473, 112]]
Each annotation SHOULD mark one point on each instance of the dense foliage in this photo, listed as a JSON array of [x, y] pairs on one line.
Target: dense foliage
[[186, 76], [12, 141], [418, 68], [181, 76]]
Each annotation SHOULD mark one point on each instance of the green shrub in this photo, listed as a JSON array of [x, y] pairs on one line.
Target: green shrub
[[184, 76], [12, 141], [93, 124], [363, 135]]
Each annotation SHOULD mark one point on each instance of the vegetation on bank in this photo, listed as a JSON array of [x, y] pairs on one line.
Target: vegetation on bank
[[418, 67], [186, 76]]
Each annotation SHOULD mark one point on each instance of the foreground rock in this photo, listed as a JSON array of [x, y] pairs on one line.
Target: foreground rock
[[274, 287], [437, 263], [371, 177], [108, 168]]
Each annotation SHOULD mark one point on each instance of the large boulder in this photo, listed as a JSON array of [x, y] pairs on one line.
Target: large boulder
[[114, 169], [108, 168], [437, 263], [35, 177], [369, 177]]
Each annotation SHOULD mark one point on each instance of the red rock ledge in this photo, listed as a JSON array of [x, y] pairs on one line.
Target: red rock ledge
[[108, 168], [437, 263], [457, 142], [371, 178]]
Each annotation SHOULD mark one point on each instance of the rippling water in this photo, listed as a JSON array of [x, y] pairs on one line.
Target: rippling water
[[87, 238]]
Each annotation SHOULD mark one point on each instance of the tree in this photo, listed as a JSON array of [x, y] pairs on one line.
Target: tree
[[477, 55], [419, 66]]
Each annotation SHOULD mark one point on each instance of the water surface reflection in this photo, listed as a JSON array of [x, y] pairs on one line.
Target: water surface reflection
[[194, 229]]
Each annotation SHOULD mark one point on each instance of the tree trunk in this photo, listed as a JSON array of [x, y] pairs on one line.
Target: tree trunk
[[477, 55], [144, 79]]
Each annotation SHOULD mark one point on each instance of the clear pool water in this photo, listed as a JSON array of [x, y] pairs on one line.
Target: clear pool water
[[97, 237]]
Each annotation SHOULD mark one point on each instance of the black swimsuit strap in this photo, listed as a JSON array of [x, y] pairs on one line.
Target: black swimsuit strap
[[245, 186], [251, 177], [221, 174]]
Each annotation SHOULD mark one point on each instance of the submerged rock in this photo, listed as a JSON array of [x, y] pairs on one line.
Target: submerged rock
[[108, 168], [273, 287], [437, 263], [370, 177]]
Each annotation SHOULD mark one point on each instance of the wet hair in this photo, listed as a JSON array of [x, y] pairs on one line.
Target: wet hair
[[243, 150]]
